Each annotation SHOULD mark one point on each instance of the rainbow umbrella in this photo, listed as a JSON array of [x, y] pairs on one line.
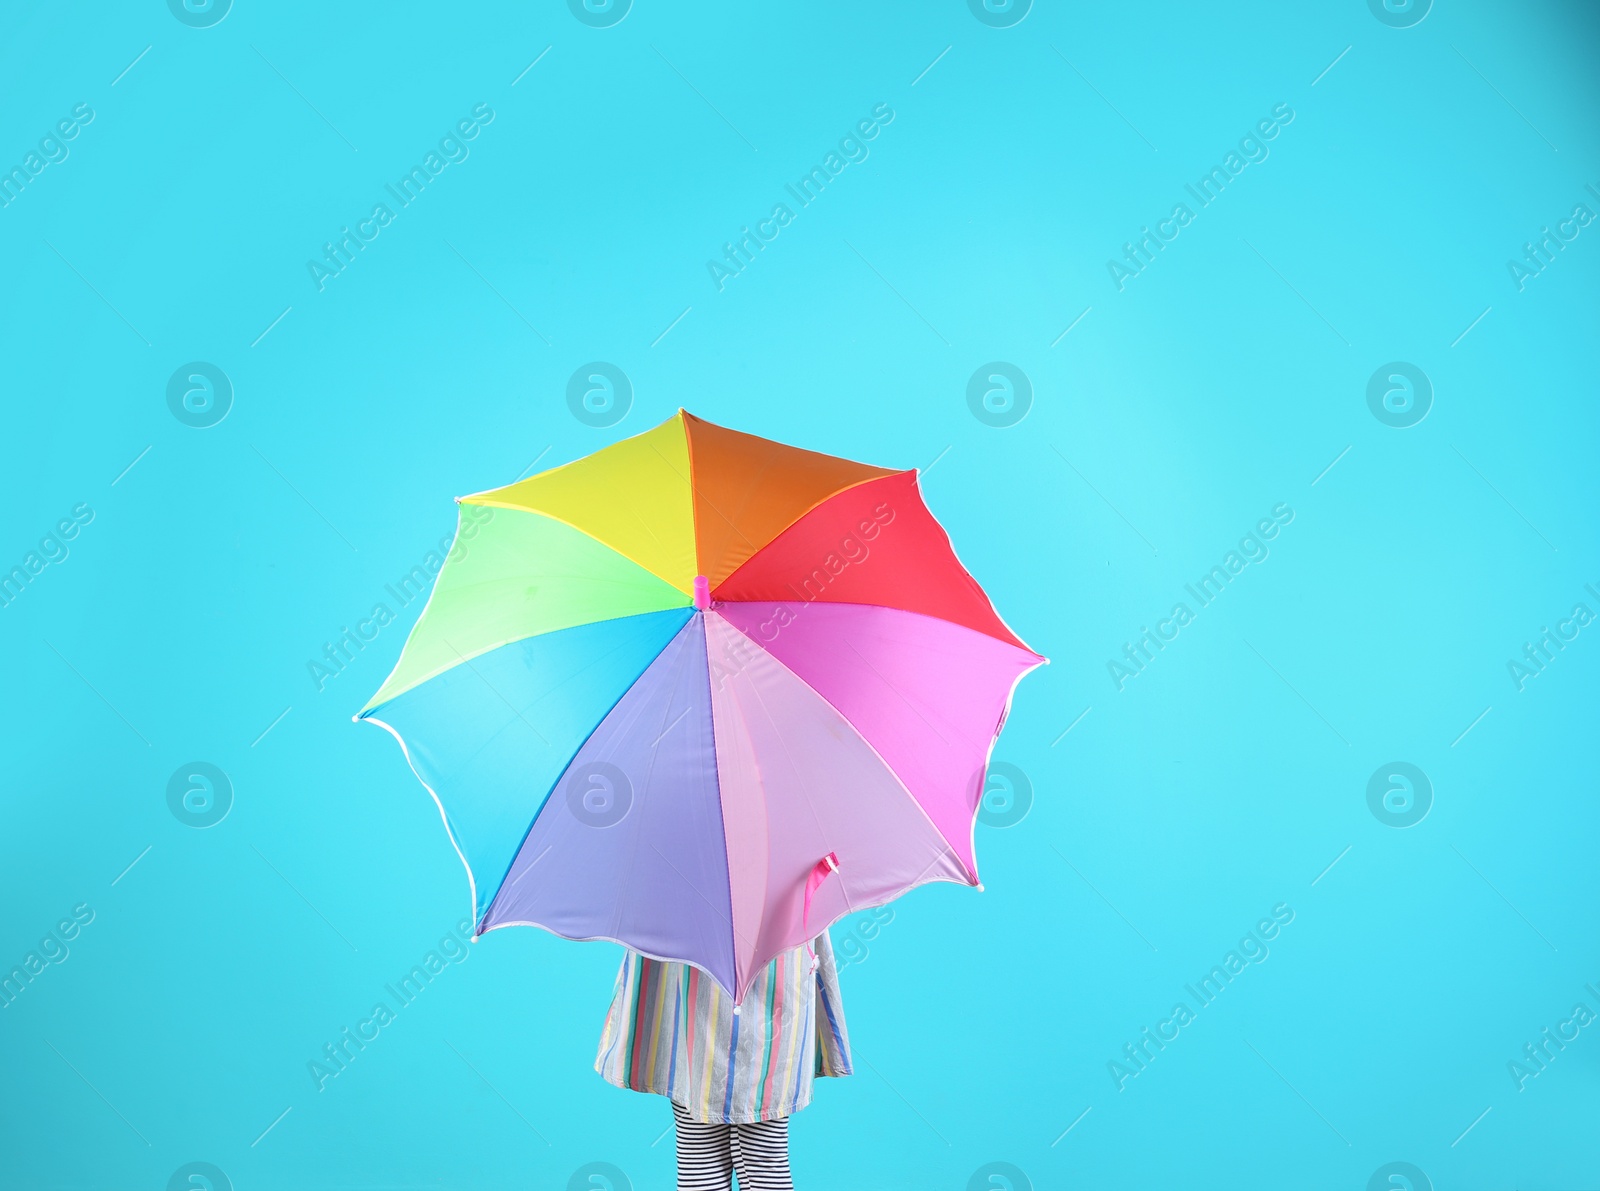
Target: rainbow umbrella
[[702, 694]]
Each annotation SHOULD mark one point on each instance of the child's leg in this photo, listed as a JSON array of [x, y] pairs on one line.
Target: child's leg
[[761, 1152], [705, 1157]]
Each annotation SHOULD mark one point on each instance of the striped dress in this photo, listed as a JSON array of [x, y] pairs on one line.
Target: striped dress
[[672, 1031]]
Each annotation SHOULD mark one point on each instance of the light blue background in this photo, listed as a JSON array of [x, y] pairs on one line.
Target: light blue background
[[1224, 379]]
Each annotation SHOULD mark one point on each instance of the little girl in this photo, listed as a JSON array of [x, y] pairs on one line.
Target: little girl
[[734, 1073]]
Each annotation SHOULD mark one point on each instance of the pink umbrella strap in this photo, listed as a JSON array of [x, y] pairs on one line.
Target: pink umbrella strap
[[819, 874]]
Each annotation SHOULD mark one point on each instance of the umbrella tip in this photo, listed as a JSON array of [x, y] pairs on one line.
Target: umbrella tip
[[979, 886]]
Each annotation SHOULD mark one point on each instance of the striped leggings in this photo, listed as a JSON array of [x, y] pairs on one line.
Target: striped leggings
[[709, 1153]]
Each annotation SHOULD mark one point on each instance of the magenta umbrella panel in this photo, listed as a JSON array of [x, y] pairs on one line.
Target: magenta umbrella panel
[[703, 694]]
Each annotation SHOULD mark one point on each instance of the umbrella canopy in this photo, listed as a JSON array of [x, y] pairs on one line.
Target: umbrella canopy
[[702, 694]]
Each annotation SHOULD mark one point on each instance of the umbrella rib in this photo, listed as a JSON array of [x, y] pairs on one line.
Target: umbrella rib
[[692, 493], [688, 482], [939, 835], [631, 867], [595, 580], [808, 510], [490, 648], [949, 849], [937, 732], [582, 668], [728, 918], [565, 769], [789, 755], [919, 715], [517, 880], [736, 936], [685, 658], [531, 511]]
